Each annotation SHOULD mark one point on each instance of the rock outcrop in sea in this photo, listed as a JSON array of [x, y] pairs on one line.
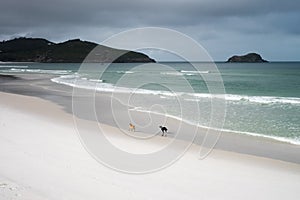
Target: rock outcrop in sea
[[248, 58]]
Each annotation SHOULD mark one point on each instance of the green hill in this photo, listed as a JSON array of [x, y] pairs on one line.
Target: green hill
[[72, 51]]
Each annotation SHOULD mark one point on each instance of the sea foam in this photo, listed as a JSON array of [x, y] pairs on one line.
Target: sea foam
[[83, 82]]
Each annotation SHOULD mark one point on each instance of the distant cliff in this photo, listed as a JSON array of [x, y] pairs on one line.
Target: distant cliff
[[72, 51], [249, 58]]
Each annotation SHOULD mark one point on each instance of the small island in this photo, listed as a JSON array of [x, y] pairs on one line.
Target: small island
[[72, 51], [248, 58]]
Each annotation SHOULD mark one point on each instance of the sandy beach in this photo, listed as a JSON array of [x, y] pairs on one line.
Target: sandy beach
[[42, 156], [149, 100]]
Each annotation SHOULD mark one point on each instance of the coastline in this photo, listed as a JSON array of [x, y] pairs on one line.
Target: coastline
[[44, 144], [40, 85]]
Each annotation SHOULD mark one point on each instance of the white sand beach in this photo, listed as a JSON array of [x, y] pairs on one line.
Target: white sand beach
[[42, 158], [149, 100]]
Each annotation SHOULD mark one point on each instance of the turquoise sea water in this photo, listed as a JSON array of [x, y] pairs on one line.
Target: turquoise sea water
[[261, 98]]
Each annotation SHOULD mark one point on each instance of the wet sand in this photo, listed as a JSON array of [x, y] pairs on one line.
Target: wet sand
[[39, 85], [42, 157]]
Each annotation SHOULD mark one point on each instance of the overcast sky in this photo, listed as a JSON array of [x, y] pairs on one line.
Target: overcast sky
[[223, 27]]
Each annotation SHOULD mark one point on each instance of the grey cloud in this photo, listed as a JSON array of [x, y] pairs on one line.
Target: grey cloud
[[208, 20], [41, 12]]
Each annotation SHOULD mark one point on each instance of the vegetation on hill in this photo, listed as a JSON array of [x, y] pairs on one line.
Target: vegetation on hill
[[72, 51]]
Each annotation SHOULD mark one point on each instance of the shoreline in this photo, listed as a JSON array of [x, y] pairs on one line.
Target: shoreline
[[42, 157], [41, 86], [45, 145], [56, 113], [231, 96], [272, 138]]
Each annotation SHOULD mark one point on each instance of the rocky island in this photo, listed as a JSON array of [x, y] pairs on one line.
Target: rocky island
[[248, 58], [72, 51]]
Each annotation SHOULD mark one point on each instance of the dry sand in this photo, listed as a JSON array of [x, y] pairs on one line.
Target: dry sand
[[41, 157]]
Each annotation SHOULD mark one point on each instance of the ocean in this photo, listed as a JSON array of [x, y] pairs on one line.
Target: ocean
[[262, 99]]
